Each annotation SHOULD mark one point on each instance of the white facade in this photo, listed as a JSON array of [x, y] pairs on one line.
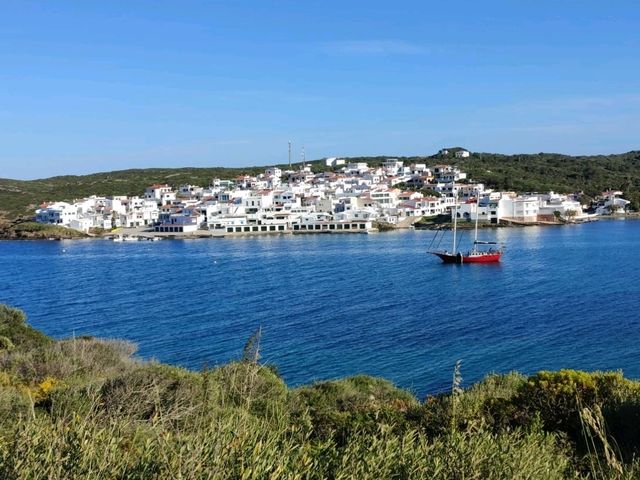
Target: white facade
[[273, 172], [334, 162], [81, 224], [158, 193], [553, 206], [521, 209], [190, 191], [58, 213], [611, 203], [258, 200]]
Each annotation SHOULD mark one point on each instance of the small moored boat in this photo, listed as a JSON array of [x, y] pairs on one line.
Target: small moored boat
[[477, 254]]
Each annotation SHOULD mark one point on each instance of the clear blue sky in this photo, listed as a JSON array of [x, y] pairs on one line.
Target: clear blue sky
[[90, 86]]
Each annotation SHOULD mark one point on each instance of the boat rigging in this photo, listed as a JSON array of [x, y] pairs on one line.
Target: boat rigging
[[475, 255]]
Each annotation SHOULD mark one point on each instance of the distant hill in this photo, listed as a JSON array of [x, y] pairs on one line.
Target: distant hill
[[560, 173], [21, 197], [531, 172]]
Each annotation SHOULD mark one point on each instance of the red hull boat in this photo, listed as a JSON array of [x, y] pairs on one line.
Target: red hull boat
[[478, 257]]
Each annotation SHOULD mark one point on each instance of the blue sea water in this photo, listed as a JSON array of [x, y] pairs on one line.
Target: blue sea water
[[338, 305]]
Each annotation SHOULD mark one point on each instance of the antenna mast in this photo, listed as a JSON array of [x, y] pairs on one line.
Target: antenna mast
[[455, 221], [289, 154], [475, 240]]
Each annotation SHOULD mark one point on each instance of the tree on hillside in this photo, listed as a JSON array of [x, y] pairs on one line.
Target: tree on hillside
[[570, 215], [428, 192]]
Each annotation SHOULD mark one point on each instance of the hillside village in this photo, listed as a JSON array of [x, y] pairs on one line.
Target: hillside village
[[351, 197]]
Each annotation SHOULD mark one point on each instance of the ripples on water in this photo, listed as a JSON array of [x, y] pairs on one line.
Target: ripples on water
[[337, 305]]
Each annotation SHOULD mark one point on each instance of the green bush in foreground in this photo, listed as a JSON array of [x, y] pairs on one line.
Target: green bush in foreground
[[15, 332], [85, 408], [243, 447]]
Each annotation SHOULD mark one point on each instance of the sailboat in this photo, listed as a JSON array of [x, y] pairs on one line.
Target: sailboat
[[475, 255]]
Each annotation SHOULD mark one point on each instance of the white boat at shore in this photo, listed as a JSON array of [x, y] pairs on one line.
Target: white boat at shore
[[125, 238]]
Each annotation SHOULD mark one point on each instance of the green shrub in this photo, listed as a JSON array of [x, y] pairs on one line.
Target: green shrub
[[6, 344], [622, 421], [244, 446], [34, 230], [15, 404], [478, 455], [75, 360], [244, 384], [559, 396], [92, 357], [153, 392], [339, 408], [483, 405], [14, 328], [570, 402]]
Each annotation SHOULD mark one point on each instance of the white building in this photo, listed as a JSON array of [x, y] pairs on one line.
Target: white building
[[190, 191], [334, 162], [356, 168], [392, 166], [553, 205], [221, 223], [83, 224], [385, 197], [519, 208], [611, 203], [58, 213], [273, 172], [258, 200], [159, 193], [182, 221]]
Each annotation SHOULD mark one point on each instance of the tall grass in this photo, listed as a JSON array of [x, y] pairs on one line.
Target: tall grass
[[241, 446]]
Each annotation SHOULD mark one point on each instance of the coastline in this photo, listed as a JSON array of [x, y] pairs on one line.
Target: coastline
[[10, 233]]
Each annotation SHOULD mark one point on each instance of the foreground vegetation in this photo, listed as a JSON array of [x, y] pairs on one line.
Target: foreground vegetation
[[539, 172], [86, 408]]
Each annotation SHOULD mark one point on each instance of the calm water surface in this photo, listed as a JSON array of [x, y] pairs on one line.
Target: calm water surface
[[337, 305]]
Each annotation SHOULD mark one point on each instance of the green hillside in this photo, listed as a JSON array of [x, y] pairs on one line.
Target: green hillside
[[560, 173], [543, 172], [20, 197], [539, 172]]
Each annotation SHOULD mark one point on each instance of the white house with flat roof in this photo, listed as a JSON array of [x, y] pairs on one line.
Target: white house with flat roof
[[519, 208], [334, 162], [611, 202], [57, 213], [553, 205], [159, 193]]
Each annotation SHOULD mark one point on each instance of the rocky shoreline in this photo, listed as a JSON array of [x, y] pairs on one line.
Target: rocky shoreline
[[34, 231]]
